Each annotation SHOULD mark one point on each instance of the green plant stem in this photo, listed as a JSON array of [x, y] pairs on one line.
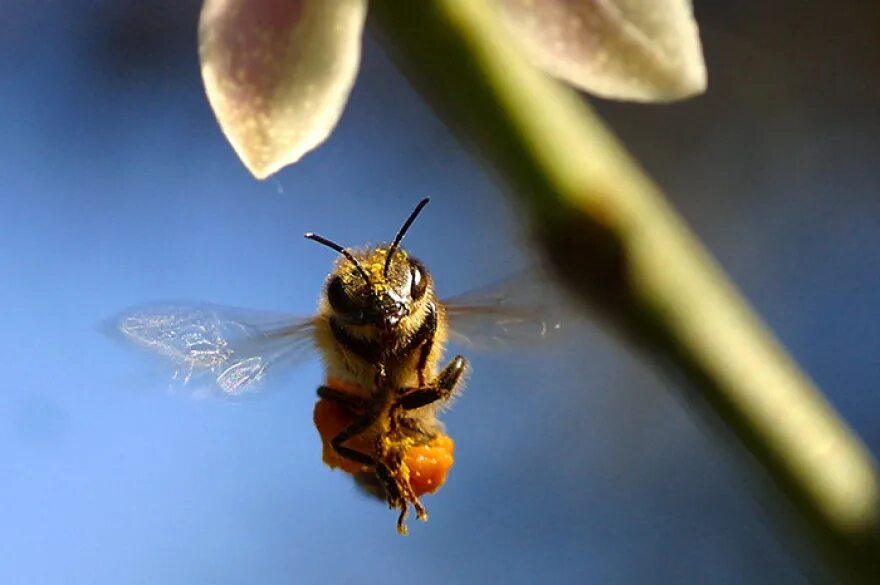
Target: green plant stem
[[615, 241]]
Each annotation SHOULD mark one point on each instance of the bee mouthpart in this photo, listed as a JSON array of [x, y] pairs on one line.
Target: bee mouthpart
[[393, 315], [391, 321]]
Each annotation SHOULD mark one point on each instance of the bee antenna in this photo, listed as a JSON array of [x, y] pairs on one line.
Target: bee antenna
[[403, 229], [333, 245]]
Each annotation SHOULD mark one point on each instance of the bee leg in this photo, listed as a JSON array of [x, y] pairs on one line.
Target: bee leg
[[401, 500], [394, 496], [392, 490], [357, 426], [441, 389], [401, 519], [421, 511], [344, 399], [395, 475]]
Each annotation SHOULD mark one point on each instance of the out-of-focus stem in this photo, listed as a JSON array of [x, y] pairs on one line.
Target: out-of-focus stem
[[616, 243]]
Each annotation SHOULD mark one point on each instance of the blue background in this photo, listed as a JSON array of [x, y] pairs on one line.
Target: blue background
[[575, 464]]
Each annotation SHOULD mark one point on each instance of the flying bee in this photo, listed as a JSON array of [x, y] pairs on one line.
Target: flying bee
[[381, 330]]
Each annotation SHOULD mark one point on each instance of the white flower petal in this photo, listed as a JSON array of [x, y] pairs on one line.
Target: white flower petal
[[645, 50], [278, 73]]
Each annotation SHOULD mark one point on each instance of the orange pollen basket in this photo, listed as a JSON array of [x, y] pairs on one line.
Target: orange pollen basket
[[428, 464]]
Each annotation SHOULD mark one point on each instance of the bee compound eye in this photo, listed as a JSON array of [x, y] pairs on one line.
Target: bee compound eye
[[339, 299], [419, 282]]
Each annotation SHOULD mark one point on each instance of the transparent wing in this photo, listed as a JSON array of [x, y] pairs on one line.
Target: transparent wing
[[231, 348], [520, 310]]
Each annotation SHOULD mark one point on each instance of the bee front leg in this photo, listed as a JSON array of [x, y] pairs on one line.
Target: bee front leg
[[442, 388]]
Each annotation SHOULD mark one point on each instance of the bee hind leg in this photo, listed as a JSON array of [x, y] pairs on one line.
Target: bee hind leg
[[395, 497], [357, 426], [402, 500], [394, 494], [442, 388]]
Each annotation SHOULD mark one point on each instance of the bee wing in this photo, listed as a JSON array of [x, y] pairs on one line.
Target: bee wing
[[519, 310], [231, 347]]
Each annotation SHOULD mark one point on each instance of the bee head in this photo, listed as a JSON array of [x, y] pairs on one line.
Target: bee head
[[379, 286]]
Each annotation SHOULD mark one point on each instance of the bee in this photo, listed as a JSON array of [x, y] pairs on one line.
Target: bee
[[381, 331]]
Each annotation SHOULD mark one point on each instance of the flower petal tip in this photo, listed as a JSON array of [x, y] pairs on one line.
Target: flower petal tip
[[278, 73], [639, 50]]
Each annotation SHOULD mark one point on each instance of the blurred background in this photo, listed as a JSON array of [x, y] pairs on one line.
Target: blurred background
[[575, 464]]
